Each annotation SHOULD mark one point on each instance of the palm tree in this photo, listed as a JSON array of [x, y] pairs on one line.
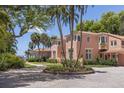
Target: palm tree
[[82, 10], [31, 45], [35, 37], [45, 40], [56, 13], [71, 16]]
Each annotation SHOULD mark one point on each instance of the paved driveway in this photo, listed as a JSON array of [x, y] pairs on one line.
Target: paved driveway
[[104, 77]]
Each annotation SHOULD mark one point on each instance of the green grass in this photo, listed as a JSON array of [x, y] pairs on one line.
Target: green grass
[[29, 66], [46, 63], [100, 66], [58, 64]]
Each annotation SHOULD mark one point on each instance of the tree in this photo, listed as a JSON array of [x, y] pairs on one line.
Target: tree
[[26, 18], [45, 40], [86, 25], [31, 45], [82, 11], [7, 42], [71, 17], [97, 27], [36, 38], [110, 21], [121, 26], [57, 14]]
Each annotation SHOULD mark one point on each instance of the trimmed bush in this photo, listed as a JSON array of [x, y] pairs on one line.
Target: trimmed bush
[[52, 61], [33, 60], [102, 62], [42, 59], [8, 61]]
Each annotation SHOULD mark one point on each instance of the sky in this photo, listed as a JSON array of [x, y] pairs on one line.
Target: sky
[[93, 13]]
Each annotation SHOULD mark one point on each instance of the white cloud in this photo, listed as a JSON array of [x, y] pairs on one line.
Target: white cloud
[[36, 30]]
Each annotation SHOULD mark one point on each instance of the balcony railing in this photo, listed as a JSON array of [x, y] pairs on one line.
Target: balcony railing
[[103, 46]]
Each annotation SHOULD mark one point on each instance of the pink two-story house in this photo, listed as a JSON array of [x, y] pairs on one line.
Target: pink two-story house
[[104, 45]]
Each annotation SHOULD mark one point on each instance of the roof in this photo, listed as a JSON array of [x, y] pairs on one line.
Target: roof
[[42, 50], [94, 33], [116, 36]]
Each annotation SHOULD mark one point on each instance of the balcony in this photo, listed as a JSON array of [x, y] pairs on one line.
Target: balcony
[[102, 46]]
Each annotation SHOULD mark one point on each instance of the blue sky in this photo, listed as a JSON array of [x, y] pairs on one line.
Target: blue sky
[[92, 13]]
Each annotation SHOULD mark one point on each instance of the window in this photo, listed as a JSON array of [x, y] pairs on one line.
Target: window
[[122, 43], [113, 43], [54, 54], [88, 54], [103, 39], [88, 39], [79, 38]]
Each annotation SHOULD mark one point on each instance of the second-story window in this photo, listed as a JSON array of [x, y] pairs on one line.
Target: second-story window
[[78, 38], [122, 43], [88, 39], [102, 39], [113, 43]]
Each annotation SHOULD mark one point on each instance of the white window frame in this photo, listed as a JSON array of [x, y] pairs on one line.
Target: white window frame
[[100, 39], [88, 55], [113, 44]]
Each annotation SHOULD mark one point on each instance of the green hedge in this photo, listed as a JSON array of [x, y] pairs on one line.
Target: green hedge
[[42, 59], [102, 62], [8, 61], [33, 60]]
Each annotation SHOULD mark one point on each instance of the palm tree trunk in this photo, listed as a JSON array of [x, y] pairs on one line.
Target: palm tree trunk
[[79, 52], [39, 52], [61, 36], [71, 30]]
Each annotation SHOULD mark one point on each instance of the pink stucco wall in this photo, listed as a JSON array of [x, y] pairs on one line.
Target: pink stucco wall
[[93, 44], [118, 46]]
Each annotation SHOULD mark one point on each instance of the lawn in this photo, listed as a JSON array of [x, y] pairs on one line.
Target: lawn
[[29, 66], [100, 66], [58, 64], [47, 64]]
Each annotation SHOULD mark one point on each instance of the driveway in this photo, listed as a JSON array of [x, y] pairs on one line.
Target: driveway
[[35, 78]]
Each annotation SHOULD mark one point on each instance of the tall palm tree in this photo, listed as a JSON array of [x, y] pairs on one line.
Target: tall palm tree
[[31, 45], [71, 16], [82, 10], [45, 40], [56, 13], [35, 37]]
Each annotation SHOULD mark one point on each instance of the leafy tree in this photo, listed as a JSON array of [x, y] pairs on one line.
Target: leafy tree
[[26, 18], [86, 25], [7, 42], [121, 27], [97, 27]]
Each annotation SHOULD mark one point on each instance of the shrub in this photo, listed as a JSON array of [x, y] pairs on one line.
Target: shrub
[[52, 60], [8, 61], [33, 59], [100, 61], [42, 59]]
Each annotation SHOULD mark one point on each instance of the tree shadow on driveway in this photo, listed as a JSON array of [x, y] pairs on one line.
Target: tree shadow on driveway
[[13, 80]]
